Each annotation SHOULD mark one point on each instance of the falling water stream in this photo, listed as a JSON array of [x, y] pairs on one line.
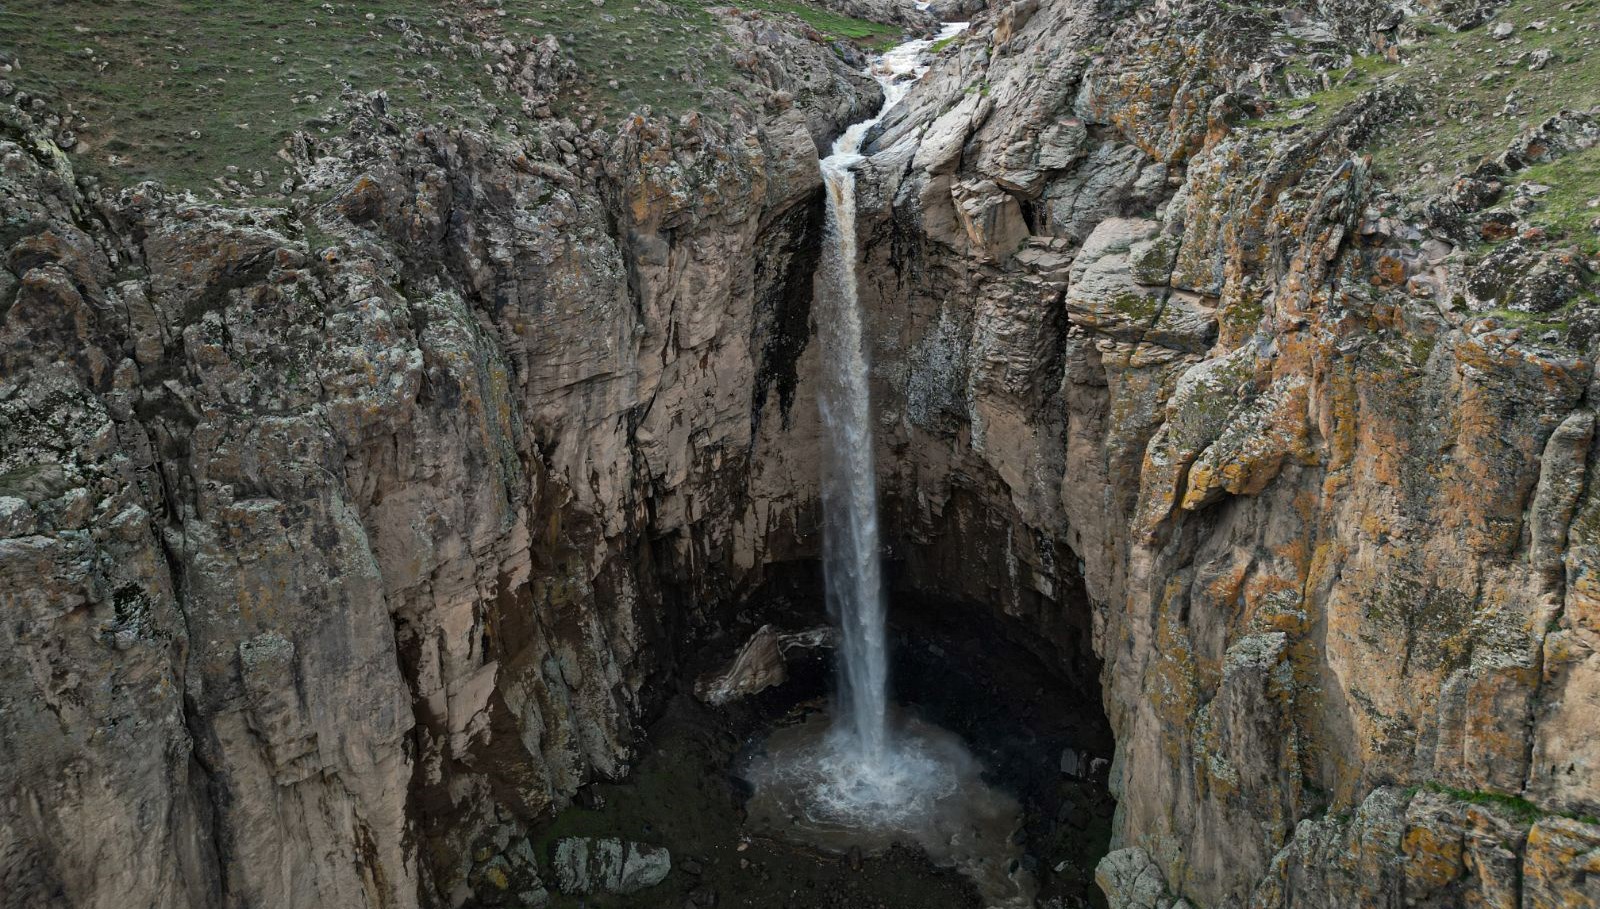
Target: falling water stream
[[849, 488], [864, 777]]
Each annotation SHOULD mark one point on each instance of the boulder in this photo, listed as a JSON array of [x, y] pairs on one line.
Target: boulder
[[608, 865]]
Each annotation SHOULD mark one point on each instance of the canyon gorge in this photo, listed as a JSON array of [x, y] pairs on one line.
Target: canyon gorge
[[370, 509]]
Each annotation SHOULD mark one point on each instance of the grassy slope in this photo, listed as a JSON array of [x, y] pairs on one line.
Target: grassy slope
[[832, 25], [1463, 81], [666, 60], [149, 74]]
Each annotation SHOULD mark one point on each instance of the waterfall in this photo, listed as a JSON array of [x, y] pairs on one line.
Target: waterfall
[[849, 488], [855, 780], [852, 572]]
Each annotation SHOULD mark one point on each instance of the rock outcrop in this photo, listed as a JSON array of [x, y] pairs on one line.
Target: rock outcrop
[[609, 865], [760, 664], [344, 541]]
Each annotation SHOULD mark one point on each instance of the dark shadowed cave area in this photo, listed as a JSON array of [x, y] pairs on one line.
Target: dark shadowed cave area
[[1018, 701]]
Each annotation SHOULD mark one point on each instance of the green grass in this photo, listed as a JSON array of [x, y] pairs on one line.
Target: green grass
[[1458, 125], [834, 26], [943, 43], [1348, 84], [1564, 211], [1527, 321], [1461, 81], [189, 91], [150, 74], [1518, 809], [672, 62]]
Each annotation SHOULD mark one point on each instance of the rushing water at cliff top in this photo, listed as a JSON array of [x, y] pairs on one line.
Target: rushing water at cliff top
[[865, 780]]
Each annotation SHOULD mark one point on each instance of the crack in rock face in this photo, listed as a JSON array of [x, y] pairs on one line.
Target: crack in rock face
[[373, 492]]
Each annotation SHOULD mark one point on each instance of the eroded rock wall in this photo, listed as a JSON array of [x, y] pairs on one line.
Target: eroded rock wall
[[341, 542], [1329, 518]]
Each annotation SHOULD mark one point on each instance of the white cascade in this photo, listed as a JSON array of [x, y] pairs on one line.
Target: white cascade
[[851, 565], [865, 779]]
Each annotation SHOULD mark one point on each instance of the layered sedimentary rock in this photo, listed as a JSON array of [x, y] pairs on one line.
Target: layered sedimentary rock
[[342, 542]]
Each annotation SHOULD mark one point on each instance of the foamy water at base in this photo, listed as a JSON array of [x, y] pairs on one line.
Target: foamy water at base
[[811, 786]]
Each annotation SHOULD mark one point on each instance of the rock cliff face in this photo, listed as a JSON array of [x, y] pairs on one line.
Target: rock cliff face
[[1329, 516], [337, 538], [343, 541]]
